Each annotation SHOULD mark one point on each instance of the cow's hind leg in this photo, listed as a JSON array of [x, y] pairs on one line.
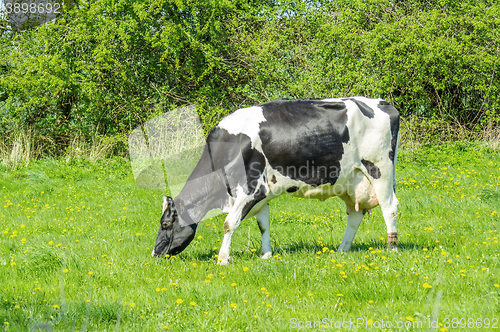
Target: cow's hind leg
[[354, 219], [263, 220], [389, 205]]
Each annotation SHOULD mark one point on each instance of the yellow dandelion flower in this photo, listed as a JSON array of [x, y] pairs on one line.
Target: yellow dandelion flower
[[192, 303], [245, 269], [50, 243], [55, 306], [65, 270], [426, 285], [179, 301], [233, 284]]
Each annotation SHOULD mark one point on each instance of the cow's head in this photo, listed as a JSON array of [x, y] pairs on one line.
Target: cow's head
[[173, 237]]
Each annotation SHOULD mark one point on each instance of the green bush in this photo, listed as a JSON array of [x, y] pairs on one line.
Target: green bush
[[104, 67]]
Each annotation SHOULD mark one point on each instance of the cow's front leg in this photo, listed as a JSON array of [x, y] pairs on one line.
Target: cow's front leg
[[264, 223], [231, 223], [354, 219]]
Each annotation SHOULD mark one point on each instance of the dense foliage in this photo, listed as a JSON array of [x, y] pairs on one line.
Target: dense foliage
[[103, 67]]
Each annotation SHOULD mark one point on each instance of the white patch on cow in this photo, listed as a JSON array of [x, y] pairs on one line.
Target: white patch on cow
[[245, 121], [333, 100], [165, 204], [231, 223], [353, 221]]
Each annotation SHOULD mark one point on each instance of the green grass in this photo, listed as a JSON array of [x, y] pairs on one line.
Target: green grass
[[76, 238]]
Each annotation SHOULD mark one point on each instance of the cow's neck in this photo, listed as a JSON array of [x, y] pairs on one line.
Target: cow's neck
[[199, 196]]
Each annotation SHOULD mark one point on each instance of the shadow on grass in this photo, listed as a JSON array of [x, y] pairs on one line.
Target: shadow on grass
[[307, 246]]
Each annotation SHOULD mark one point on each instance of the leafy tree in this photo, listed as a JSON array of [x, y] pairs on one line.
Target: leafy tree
[[103, 67]]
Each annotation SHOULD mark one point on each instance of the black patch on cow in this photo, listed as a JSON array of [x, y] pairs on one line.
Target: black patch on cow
[[273, 180], [394, 119], [373, 170], [292, 189], [226, 162], [302, 139], [259, 195], [365, 109], [225, 149]]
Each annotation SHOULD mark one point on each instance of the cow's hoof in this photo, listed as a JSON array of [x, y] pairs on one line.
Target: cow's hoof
[[393, 248], [222, 261], [343, 249], [266, 255], [223, 258]]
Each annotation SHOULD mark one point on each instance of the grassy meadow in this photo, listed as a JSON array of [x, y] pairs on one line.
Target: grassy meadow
[[76, 238]]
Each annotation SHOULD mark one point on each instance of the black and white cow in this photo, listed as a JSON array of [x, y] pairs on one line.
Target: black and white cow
[[315, 148]]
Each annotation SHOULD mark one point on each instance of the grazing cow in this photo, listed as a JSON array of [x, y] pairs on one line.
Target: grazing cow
[[314, 148]]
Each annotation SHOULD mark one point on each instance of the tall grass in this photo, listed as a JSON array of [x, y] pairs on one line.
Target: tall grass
[[20, 147], [16, 149]]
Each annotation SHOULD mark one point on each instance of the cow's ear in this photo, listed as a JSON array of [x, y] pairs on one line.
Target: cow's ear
[[167, 202]]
